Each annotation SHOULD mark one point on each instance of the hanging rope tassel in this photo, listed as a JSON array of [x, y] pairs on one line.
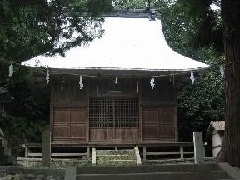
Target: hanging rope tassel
[[80, 82], [192, 77], [152, 84], [47, 77]]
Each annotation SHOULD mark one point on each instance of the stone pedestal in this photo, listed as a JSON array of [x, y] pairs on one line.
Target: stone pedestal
[[198, 147]]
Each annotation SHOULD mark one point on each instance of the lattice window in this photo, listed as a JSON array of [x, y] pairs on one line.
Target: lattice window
[[114, 112]]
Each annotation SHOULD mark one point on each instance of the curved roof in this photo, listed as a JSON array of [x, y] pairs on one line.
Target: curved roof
[[127, 44], [218, 125]]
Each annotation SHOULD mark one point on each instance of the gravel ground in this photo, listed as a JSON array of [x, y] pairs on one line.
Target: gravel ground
[[17, 173], [30, 177], [31, 168], [56, 163], [177, 161]]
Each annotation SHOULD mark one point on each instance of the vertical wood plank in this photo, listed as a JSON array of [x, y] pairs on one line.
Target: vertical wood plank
[[140, 124], [181, 151], [175, 124], [87, 125], [88, 152], [144, 153], [46, 148]]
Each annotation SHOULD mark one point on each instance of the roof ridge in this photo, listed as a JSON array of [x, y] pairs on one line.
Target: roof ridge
[[132, 13]]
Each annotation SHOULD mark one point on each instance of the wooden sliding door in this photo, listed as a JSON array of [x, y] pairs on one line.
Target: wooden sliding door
[[69, 125], [114, 119]]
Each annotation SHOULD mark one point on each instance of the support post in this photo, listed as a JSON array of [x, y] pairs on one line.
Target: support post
[[26, 151], [94, 157], [88, 152], [144, 153], [198, 147], [181, 151], [46, 148]]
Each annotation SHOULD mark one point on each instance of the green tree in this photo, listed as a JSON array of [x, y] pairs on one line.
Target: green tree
[[231, 37], [202, 102], [27, 29], [129, 4]]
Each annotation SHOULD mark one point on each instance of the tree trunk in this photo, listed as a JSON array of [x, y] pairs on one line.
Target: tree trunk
[[231, 34]]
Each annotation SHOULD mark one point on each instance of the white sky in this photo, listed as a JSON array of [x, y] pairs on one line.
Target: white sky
[[214, 7]]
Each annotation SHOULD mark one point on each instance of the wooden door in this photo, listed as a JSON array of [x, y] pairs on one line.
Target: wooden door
[[69, 125], [114, 119], [159, 124]]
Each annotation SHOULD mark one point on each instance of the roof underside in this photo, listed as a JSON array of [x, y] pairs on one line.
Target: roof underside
[[129, 45]]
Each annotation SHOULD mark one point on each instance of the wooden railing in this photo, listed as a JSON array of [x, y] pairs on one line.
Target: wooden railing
[[179, 149]]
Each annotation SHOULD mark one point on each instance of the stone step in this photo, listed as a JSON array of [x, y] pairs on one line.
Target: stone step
[[206, 167], [212, 175], [115, 152], [116, 164], [116, 157]]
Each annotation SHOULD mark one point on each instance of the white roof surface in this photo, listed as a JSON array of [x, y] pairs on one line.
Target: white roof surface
[[127, 44], [218, 125]]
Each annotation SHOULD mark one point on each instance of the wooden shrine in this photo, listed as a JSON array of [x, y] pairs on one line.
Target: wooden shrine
[[121, 89], [106, 111]]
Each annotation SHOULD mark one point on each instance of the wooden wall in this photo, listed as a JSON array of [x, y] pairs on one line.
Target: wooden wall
[[159, 111], [70, 111]]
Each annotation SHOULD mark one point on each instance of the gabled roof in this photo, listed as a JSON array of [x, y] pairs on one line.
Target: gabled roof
[[218, 125], [129, 44]]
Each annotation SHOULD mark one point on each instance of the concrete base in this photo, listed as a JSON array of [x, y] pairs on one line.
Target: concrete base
[[70, 174]]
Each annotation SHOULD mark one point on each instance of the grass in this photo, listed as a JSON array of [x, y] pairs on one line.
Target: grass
[[55, 163]]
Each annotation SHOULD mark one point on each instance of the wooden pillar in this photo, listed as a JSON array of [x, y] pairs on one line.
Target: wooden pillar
[[144, 153], [94, 156], [181, 151], [26, 151], [88, 152], [46, 148], [88, 125]]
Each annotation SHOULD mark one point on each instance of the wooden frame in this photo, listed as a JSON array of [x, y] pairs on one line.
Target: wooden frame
[[71, 111]]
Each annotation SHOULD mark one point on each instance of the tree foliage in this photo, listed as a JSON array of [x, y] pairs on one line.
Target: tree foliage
[[188, 28], [29, 28], [129, 4], [192, 29], [204, 101]]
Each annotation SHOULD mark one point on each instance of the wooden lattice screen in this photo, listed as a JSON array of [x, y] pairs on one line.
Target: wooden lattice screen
[[114, 112]]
